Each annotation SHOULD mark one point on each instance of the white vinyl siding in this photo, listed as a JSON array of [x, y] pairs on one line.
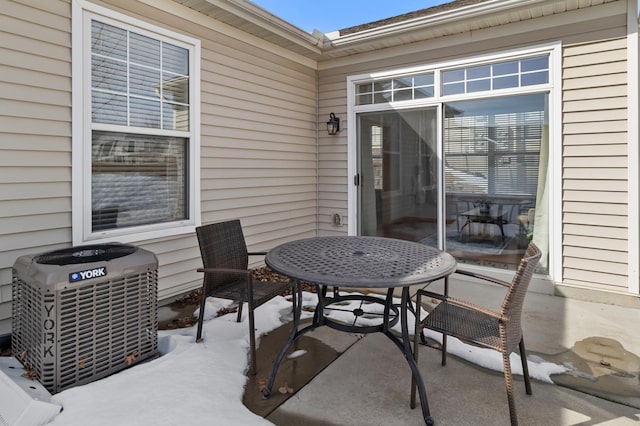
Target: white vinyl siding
[[595, 190]]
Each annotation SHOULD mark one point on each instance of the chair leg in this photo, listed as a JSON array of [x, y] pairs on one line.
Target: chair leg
[[417, 334], [444, 349], [239, 317], [203, 301], [444, 336], [525, 367], [509, 386], [252, 343]]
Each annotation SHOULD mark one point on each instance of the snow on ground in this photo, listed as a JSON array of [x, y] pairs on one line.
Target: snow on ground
[[202, 384]]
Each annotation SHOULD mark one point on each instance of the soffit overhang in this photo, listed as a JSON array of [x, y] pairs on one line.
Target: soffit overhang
[[460, 16]]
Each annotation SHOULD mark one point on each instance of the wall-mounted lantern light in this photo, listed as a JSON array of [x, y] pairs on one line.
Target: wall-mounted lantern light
[[333, 125]]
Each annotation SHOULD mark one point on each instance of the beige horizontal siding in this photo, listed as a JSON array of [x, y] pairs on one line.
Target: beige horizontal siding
[[35, 134], [258, 133], [595, 187], [258, 154], [595, 208], [594, 178], [598, 185]]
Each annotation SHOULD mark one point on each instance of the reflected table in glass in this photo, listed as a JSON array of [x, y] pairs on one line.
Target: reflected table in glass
[[495, 215], [360, 262]]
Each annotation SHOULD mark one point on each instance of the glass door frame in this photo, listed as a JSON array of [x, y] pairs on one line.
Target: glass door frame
[[553, 87], [354, 165]]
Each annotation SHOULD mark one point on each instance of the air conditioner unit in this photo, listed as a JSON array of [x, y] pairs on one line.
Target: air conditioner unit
[[83, 313]]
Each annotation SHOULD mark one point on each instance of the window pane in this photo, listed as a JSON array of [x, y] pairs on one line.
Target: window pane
[[107, 74], [109, 108], [175, 89], [541, 63], [451, 76], [505, 82], [453, 89], [137, 180], [379, 86], [423, 92], [535, 78], [175, 117], [157, 72], [505, 68], [478, 85], [108, 40], [492, 162], [478, 72], [175, 59], [401, 83], [363, 99], [364, 88], [144, 51], [402, 95], [144, 81], [423, 79], [379, 98], [144, 113]]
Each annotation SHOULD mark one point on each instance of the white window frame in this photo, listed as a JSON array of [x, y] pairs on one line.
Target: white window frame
[[554, 87], [82, 14]]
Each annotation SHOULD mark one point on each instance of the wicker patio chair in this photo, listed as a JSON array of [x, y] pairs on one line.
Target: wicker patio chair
[[226, 275], [501, 331]]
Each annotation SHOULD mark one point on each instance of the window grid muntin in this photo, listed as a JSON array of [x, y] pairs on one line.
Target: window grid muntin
[[179, 71], [396, 89], [509, 74], [103, 49], [506, 75]]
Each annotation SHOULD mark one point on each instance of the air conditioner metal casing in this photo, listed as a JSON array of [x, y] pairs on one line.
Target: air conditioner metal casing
[[71, 333]]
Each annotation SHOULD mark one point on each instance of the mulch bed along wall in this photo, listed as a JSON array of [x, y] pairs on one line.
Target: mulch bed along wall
[[192, 299]]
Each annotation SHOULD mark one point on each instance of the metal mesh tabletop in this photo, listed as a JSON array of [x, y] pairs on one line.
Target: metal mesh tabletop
[[360, 261]]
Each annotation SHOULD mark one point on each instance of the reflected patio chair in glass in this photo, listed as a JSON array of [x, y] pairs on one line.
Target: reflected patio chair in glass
[[226, 275], [497, 330]]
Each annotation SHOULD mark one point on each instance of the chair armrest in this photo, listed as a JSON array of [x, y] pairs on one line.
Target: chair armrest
[[462, 304], [483, 277], [226, 271]]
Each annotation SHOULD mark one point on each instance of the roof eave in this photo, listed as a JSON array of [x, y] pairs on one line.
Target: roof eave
[[442, 18], [256, 15]]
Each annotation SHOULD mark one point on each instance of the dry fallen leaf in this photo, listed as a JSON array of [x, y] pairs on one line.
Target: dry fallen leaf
[[30, 372], [285, 389], [130, 358], [262, 384]]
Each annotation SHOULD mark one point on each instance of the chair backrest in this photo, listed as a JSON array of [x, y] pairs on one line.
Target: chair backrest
[[514, 299], [222, 245]]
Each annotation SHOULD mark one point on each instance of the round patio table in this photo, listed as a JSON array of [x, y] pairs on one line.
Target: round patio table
[[360, 262]]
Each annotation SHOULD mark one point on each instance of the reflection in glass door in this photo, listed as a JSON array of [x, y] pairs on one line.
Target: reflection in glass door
[[398, 171], [495, 162], [493, 199]]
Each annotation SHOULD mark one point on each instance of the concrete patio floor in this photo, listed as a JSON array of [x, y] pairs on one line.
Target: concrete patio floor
[[369, 383]]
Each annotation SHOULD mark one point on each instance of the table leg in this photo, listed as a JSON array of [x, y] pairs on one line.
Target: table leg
[[293, 336], [405, 346]]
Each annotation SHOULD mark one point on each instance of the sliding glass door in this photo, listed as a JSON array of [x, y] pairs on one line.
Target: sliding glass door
[[398, 191], [456, 156], [494, 158], [495, 162]]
